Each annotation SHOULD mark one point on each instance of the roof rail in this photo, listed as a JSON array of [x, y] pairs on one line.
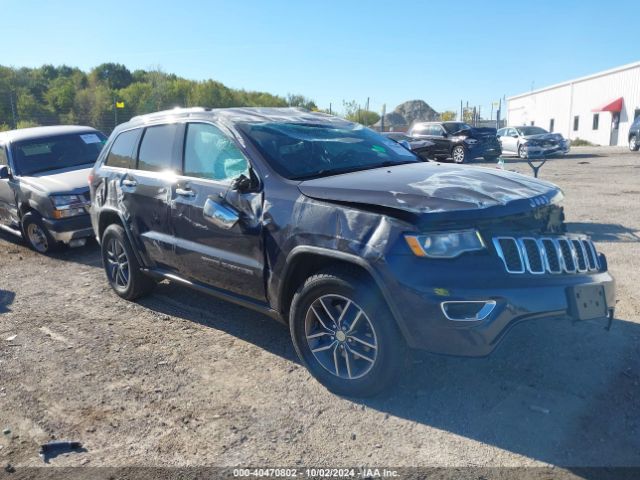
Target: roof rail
[[164, 113]]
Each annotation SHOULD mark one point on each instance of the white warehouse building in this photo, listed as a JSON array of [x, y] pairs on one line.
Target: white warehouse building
[[599, 108]]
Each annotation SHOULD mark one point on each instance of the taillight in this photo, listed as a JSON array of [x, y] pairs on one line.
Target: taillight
[[90, 178]]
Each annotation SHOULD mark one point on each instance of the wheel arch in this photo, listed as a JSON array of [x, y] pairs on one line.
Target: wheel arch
[[110, 216], [305, 261]]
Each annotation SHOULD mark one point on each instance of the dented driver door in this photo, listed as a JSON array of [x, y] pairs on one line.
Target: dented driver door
[[217, 228]]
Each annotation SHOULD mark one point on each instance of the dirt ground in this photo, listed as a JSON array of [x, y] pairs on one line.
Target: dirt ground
[[184, 379]]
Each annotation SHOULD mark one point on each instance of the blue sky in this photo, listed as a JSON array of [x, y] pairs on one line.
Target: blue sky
[[329, 50]]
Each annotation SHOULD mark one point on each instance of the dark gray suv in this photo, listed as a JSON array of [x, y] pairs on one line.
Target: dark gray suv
[[44, 191], [346, 236]]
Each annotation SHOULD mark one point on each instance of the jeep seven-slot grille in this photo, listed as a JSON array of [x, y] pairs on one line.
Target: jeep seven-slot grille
[[546, 255]]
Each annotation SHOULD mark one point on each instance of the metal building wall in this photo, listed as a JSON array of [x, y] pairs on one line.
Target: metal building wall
[[579, 97]]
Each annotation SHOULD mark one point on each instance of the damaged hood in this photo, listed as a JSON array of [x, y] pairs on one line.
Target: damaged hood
[[432, 188], [59, 181]]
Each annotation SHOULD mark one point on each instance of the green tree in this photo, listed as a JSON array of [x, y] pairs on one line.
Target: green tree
[[301, 101], [114, 75], [448, 116]]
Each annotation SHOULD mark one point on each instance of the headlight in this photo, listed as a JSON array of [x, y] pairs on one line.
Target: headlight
[[467, 140], [67, 205], [445, 244], [61, 201]]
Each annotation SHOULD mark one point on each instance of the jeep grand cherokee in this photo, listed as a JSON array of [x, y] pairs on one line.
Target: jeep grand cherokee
[[363, 249]]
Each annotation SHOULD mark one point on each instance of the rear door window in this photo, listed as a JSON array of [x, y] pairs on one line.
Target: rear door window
[[3, 157], [122, 151], [157, 149]]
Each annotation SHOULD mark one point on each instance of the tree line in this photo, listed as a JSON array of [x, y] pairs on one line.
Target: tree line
[[110, 94]]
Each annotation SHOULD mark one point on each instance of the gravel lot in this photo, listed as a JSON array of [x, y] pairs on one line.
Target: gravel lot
[[184, 379]]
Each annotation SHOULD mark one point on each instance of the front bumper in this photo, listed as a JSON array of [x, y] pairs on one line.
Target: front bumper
[[68, 229], [517, 298], [484, 149], [560, 149]]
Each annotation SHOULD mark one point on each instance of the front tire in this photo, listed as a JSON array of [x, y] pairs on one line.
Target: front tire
[[345, 335], [459, 154], [36, 234], [121, 266], [633, 143], [522, 152]]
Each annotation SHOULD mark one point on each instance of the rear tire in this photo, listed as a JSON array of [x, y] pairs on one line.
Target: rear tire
[[121, 265], [36, 234], [459, 154], [345, 335], [633, 143]]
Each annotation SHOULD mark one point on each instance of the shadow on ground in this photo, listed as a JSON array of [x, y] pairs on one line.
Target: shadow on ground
[[605, 232], [562, 393], [87, 255]]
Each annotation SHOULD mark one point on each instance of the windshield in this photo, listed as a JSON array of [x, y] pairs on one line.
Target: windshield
[[52, 153], [298, 151], [453, 127], [526, 131]]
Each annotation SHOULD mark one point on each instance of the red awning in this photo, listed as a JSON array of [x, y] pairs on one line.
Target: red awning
[[614, 106]]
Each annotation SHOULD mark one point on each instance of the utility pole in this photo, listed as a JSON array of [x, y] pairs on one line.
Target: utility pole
[[384, 112], [461, 112], [115, 113], [330, 109]]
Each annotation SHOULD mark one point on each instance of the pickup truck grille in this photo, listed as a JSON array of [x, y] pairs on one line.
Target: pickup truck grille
[[547, 255]]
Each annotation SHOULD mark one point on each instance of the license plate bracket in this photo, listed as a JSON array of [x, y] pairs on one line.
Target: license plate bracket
[[587, 302]]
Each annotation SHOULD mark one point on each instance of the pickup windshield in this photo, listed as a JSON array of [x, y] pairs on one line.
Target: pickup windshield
[[53, 153], [299, 150]]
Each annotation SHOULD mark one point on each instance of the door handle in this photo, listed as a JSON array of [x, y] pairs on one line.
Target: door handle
[[129, 183], [185, 192]]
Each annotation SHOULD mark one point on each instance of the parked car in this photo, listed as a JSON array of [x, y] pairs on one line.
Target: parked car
[[423, 148], [341, 233], [458, 140], [634, 135], [44, 195], [532, 141]]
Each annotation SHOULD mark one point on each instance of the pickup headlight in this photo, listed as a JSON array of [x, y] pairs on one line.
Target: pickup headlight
[[67, 205], [445, 244]]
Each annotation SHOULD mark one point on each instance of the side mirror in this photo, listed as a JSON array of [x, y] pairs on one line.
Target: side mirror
[[4, 172], [221, 216], [514, 135], [242, 184]]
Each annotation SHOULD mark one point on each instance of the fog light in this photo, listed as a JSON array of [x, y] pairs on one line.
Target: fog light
[[468, 311]]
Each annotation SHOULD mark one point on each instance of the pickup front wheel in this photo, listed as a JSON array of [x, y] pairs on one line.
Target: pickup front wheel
[[36, 234], [345, 335]]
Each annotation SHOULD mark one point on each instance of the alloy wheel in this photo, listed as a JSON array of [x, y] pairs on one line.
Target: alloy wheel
[[522, 153], [117, 264], [633, 143], [37, 237], [458, 155], [341, 336]]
